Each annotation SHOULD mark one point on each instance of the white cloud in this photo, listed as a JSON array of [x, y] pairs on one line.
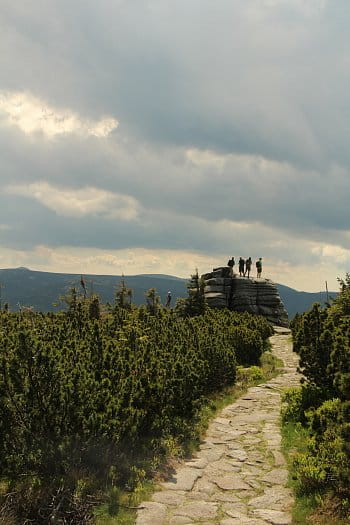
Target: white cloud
[[234, 142], [32, 115], [307, 7], [68, 259], [182, 263], [331, 252], [80, 202], [206, 158]]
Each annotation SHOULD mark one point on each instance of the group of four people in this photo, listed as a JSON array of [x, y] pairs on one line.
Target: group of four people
[[245, 266]]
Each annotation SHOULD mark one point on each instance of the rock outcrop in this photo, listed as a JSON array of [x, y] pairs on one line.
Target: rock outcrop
[[224, 289]]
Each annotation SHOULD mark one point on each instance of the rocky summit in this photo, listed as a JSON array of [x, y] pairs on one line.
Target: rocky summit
[[224, 289]]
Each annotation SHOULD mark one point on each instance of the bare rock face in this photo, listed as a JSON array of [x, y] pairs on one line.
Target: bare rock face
[[223, 289]]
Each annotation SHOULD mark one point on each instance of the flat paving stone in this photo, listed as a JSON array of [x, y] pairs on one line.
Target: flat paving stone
[[212, 454], [239, 455], [249, 470], [243, 521], [274, 517], [235, 445], [183, 480], [179, 520], [235, 510], [252, 441], [218, 467], [253, 483], [279, 498], [200, 463], [203, 485], [230, 483], [225, 497], [151, 513], [198, 510], [169, 497], [276, 477]]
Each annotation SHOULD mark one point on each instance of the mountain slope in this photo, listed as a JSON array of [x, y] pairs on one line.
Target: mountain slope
[[23, 287], [296, 301]]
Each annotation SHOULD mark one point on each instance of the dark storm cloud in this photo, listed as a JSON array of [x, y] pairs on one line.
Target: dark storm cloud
[[240, 76], [156, 230], [262, 85], [241, 189]]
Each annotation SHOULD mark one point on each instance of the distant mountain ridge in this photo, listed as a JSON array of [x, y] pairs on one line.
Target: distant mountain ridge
[[296, 301], [42, 290]]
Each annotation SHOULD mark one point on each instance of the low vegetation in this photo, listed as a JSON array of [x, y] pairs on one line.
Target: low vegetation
[[93, 400], [320, 409]]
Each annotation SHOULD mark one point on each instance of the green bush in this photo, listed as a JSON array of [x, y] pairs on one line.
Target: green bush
[[311, 476], [248, 344], [86, 399], [312, 340], [322, 339], [298, 401]]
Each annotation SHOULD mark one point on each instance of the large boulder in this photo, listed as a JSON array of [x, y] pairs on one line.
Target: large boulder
[[224, 289]]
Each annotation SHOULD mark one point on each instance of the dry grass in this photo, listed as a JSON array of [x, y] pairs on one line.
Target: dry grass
[[329, 513]]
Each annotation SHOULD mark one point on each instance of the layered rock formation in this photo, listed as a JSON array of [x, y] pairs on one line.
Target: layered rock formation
[[224, 289]]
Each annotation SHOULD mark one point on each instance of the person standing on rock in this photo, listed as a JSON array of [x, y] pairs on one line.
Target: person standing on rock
[[241, 266], [248, 266], [168, 300], [258, 265], [230, 264]]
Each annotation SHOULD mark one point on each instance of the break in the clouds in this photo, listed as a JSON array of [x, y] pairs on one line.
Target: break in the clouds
[[87, 201], [178, 132], [32, 115]]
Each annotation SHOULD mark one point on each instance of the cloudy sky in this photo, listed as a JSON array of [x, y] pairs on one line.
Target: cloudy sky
[[157, 136]]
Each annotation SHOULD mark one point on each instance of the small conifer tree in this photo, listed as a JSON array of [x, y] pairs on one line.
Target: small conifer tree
[[152, 301], [123, 296], [94, 307], [195, 303], [71, 299]]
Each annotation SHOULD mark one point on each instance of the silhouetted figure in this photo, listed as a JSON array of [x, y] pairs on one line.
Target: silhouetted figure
[[168, 300], [231, 262], [83, 285], [248, 266], [241, 264], [258, 265]]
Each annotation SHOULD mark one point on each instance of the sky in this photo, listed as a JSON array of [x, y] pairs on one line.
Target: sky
[[160, 136]]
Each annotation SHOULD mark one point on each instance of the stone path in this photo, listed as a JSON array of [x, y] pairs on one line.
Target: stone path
[[238, 476]]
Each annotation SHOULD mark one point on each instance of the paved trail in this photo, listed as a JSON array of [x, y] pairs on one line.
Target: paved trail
[[238, 476]]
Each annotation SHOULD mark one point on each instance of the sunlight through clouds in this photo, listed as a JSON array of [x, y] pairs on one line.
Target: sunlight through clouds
[[32, 115], [235, 144], [80, 202]]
